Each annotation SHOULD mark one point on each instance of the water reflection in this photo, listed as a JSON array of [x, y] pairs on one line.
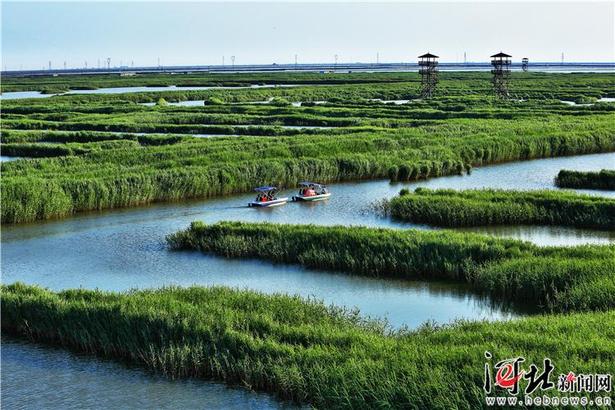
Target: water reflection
[[547, 235], [123, 249], [37, 377]]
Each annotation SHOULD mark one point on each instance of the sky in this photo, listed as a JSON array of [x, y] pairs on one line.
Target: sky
[[201, 33]]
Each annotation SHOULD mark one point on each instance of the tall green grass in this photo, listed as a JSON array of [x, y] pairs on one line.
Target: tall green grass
[[299, 350], [451, 208], [554, 279], [604, 179], [370, 139], [561, 282], [33, 150], [526, 85], [200, 168], [367, 251]]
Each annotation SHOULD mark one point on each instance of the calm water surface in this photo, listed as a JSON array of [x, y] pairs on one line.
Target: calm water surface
[[603, 99], [122, 90], [5, 158], [125, 249], [37, 377], [198, 103]]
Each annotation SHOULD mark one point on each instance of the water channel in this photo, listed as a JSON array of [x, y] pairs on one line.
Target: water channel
[[124, 249]]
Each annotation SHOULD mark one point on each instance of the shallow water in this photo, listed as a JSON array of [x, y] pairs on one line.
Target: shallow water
[[17, 95], [37, 377], [603, 99], [395, 102], [190, 103], [5, 158], [320, 127], [198, 103], [121, 90]]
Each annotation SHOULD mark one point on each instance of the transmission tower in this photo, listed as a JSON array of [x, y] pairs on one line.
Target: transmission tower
[[501, 73], [428, 69]]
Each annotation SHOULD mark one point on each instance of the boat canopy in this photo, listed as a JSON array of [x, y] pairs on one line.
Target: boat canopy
[[265, 189], [310, 184]]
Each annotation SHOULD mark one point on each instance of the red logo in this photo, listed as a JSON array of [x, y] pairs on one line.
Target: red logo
[[506, 377]]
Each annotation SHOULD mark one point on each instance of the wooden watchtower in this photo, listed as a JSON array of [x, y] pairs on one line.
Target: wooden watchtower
[[501, 73], [428, 69]]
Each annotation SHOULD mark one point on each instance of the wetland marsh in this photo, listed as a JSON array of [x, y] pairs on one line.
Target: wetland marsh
[[103, 179]]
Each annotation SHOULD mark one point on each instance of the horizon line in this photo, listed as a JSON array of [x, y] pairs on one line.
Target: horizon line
[[287, 66]]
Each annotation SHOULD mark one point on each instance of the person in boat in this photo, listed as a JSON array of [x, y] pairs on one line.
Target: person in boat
[[309, 192], [267, 196]]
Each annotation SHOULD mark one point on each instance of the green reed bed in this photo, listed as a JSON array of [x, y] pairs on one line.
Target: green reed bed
[[302, 350], [451, 208], [186, 129], [555, 279], [85, 82], [462, 128], [39, 150], [69, 138], [346, 112], [604, 179], [533, 84], [47, 150], [128, 106], [199, 168]]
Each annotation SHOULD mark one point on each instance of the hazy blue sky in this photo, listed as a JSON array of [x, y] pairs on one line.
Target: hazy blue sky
[[258, 32]]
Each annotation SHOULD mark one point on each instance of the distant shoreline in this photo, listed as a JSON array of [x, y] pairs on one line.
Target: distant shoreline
[[327, 67]]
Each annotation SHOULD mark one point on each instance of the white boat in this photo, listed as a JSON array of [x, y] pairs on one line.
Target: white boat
[[267, 198], [311, 192]]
